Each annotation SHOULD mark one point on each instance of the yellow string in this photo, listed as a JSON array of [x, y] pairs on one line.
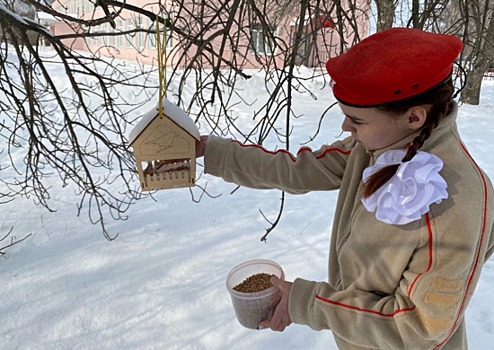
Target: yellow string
[[161, 50], [164, 57]]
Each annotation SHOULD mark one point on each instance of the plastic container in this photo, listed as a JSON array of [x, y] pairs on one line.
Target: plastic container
[[252, 308]]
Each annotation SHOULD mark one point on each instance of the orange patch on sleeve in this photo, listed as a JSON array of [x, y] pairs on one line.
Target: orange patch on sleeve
[[441, 299], [437, 325], [444, 284]]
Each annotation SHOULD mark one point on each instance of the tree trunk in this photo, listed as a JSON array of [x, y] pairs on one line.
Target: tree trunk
[[385, 14], [481, 58], [471, 92]]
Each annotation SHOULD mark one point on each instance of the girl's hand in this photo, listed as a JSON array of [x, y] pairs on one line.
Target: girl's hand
[[281, 318], [201, 146]]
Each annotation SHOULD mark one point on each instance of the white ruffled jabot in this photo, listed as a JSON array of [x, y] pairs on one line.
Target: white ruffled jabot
[[409, 193]]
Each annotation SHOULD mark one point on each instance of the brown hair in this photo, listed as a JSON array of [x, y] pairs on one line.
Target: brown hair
[[440, 100]]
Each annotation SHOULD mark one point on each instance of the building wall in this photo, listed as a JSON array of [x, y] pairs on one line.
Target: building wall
[[103, 38], [62, 28], [141, 46]]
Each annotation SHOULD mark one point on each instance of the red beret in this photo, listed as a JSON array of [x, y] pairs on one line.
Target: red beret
[[392, 65]]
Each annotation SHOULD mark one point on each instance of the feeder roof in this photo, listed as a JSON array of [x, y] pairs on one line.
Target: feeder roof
[[171, 111]]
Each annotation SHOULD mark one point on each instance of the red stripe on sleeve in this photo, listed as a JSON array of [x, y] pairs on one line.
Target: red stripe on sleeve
[[479, 247], [351, 307], [429, 266], [303, 149]]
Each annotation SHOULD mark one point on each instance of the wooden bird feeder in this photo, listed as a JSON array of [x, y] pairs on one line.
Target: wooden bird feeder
[[165, 148]]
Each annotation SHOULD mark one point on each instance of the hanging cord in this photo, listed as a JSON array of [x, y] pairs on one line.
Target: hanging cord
[[463, 81], [161, 50]]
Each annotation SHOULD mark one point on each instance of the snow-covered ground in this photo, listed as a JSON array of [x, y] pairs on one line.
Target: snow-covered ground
[[161, 283]]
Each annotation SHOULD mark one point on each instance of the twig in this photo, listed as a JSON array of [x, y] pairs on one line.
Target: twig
[[204, 192], [275, 223], [12, 240]]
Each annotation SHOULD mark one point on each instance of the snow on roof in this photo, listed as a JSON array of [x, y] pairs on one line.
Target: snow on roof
[[36, 24], [47, 19], [171, 111], [46, 16]]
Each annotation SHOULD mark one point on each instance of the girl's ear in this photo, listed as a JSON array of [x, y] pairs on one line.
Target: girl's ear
[[416, 117]]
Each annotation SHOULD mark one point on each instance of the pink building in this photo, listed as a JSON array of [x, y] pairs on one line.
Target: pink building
[[319, 38]]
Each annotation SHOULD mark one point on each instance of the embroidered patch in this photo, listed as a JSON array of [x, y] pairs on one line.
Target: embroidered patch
[[441, 299], [437, 324], [444, 284]]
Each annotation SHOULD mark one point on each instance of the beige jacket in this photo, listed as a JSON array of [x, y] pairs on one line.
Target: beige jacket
[[390, 287]]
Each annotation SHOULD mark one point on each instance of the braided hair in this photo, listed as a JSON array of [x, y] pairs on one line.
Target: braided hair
[[441, 101]]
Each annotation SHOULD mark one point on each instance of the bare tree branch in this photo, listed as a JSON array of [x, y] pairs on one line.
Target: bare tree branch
[[75, 131]]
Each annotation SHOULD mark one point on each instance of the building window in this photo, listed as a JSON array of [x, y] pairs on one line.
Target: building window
[[152, 33], [119, 30], [128, 27], [111, 36], [261, 41], [169, 38], [140, 34], [100, 38]]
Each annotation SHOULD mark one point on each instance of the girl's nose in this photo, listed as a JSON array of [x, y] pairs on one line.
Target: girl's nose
[[347, 126]]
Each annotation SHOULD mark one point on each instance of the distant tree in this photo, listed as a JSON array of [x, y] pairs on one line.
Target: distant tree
[[475, 22], [470, 20], [386, 12], [23, 9], [20, 7]]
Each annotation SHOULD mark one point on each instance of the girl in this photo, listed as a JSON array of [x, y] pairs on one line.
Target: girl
[[414, 217]]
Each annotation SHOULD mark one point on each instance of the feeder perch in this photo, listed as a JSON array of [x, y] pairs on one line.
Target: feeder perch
[[165, 148]]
